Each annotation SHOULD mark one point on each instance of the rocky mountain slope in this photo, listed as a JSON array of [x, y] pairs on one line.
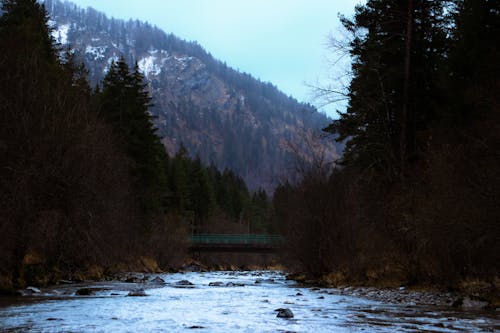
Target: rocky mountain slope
[[225, 117]]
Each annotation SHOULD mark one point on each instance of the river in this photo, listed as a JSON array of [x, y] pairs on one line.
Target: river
[[243, 302]]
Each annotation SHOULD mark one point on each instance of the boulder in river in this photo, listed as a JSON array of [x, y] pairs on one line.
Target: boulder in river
[[84, 292], [284, 313], [183, 284], [157, 280], [216, 284], [234, 284], [33, 290], [137, 293]]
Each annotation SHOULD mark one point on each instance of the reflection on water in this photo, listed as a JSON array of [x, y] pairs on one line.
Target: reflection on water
[[234, 302]]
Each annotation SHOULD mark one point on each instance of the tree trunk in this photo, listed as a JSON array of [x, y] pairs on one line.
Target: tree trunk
[[406, 85]]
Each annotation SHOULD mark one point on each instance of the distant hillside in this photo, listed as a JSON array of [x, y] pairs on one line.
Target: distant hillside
[[225, 117]]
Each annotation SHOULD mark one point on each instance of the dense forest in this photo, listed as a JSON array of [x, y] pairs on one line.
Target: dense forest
[[86, 183], [416, 196]]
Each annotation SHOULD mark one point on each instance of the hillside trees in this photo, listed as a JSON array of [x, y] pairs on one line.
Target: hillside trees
[[392, 80], [214, 201], [415, 195], [84, 179], [189, 86], [65, 200], [124, 102]]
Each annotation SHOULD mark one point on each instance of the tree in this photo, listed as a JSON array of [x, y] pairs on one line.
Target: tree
[[420, 174], [64, 195], [395, 65], [124, 103], [472, 65]]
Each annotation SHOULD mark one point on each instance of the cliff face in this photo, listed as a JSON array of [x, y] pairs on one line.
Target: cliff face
[[226, 117]]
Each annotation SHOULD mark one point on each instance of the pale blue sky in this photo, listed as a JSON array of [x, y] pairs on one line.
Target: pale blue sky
[[280, 41]]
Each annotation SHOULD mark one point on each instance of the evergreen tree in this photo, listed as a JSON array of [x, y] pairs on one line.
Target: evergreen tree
[[395, 64], [473, 65], [25, 30], [124, 103], [202, 200], [63, 188]]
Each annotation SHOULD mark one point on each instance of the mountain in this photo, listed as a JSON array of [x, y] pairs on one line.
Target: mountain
[[225, 117]]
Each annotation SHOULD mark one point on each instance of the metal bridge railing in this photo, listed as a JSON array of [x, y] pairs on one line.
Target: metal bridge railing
[[236, 239]]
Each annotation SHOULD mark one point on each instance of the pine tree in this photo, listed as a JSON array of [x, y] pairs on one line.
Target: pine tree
[[473, 61], [63, 187], [394, 73], [125, 103], [25, 30]]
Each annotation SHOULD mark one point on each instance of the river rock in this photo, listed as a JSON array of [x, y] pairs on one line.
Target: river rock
[[64, 282], [193, 266], [184, 283], [233, 284], [33, 290], [284, 313], [470, 303], [216, 284], [137, 293], [84, 292], [157, 280], [134, 279]]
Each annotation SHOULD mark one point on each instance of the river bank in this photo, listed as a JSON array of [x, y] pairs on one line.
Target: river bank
[[229, 301], [466, 295]]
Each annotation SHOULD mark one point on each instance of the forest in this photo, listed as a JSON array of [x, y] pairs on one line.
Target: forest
[[415, 197], [226, 117], [86, 183], [87, 186]]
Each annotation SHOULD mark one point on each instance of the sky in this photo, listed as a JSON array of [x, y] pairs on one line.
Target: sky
[[279, 41]]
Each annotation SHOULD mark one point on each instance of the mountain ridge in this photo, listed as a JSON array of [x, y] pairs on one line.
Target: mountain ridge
[[225, 117]]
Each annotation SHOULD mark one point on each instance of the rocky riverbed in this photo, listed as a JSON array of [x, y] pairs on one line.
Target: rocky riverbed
[[253, 301]]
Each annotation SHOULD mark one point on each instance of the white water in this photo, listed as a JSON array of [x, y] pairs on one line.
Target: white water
[[203, 308]]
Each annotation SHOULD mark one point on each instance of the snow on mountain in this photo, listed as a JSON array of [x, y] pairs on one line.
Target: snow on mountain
[[221, 115], [61, 34]]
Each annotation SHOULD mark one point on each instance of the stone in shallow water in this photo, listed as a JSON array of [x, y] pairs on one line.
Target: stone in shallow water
[[33, 290], [284, 313], [157, 280], [84, 292], [216, 284], [137, 293], [184, 283]]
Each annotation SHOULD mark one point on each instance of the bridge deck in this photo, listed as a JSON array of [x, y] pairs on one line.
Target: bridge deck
[[235, 243]]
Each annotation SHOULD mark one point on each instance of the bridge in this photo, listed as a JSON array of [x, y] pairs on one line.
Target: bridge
[[235, 243]]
